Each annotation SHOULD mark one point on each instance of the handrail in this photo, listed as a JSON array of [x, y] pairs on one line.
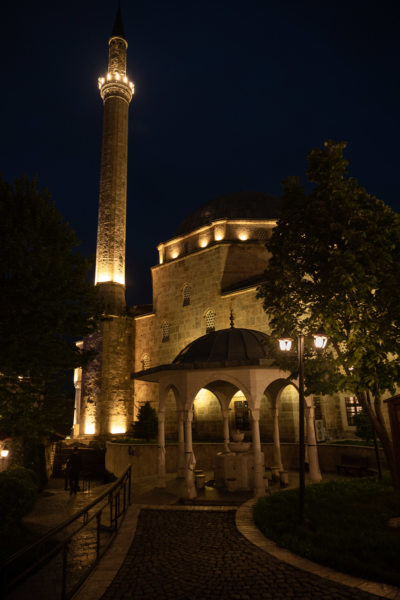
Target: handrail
[[116, 514]]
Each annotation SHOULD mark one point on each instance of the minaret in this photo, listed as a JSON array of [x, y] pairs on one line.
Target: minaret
[[116, 91], [104, 390]]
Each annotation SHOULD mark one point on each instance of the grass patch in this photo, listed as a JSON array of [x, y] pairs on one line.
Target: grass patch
[[346, 526]]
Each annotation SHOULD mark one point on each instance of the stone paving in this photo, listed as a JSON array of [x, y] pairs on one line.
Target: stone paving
[[168, 551], [178, 554]]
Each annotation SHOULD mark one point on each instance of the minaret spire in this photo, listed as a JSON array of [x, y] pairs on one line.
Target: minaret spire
[[118, 29], [116, 91]]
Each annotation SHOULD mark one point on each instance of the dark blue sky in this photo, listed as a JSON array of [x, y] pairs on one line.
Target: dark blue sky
[[229, 96]]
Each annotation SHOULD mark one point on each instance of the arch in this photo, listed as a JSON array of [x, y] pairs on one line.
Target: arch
[[215, 383], [274, 389], [207, 416], [163, 393], [239, 412], [171, 412], [267, 416]]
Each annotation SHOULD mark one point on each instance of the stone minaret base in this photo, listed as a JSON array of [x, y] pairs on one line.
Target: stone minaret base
[[106, 404]]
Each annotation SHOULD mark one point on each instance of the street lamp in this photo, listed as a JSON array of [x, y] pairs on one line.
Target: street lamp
[[285, 344]]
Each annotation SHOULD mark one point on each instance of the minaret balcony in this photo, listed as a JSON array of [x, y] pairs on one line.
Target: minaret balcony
[[115, 84]]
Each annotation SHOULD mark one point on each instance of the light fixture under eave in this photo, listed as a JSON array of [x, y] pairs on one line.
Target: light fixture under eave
[[4, 452], [285, 343]]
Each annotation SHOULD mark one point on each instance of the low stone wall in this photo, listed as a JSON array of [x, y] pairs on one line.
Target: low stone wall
[[143, 457], [329, 455]]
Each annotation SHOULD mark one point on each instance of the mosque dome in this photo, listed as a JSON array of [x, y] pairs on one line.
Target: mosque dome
[[226, 346], [238, 205]]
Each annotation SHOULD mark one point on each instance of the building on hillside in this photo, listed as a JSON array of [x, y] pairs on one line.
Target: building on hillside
[[204, 285]]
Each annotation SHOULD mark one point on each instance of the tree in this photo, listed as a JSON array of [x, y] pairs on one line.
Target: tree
[[335, 263], [46, 302], [146, 425]]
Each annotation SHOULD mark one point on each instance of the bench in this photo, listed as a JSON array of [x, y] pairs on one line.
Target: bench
[[354, 465]]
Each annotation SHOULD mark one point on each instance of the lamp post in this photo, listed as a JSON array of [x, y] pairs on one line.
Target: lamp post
[[285, 344]]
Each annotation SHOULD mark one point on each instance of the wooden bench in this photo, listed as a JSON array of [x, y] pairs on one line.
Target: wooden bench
[[354, 465]]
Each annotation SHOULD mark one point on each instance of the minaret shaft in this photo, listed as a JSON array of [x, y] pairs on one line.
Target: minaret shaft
[[116, 91], [110, 257]]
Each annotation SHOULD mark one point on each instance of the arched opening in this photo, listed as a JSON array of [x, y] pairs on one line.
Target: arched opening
[[239, 413], [207, 416], [266, 418], [288, 402], [171, 415]]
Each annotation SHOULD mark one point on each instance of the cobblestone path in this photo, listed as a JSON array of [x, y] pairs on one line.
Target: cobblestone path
[[200, 555]]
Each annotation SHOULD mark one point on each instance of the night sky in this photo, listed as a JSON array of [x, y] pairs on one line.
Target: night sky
[[230, 96]]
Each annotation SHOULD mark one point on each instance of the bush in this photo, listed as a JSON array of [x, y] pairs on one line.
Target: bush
[[18, 493], [19, 472], [147, 424], [346, 526], [363, 426]]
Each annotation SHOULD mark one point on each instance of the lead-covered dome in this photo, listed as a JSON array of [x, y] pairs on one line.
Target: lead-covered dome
[[238, 205], [233, 345]]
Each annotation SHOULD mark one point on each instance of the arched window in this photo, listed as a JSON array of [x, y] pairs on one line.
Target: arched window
[[145, 361], [165, 331], [187, 290], [210, 321]]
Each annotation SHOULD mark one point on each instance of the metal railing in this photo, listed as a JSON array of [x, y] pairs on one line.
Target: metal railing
[[56, 565]]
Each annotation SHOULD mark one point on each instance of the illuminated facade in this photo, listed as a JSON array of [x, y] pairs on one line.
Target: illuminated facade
[[209, 270]]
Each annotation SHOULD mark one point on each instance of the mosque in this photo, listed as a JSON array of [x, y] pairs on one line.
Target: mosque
[[197, 353]]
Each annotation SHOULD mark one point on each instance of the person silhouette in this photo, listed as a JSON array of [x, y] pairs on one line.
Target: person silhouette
[[75, 466]]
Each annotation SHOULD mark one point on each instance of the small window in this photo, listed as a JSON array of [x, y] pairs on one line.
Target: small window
[[317, 408], [165, 331], [145, 362], [353, 408], [261, 235], [187, 289], [210, 321]]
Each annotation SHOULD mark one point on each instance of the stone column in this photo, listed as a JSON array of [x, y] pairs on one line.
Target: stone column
[[189, 457], [315, 473], [161, 483], [225, 419], [259, 483], [277, 439], [181, 466]]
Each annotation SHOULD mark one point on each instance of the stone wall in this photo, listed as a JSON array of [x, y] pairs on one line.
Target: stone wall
[[143, 457], [107, 389], [205, 272]]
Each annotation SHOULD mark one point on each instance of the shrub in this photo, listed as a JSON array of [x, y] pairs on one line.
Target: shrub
[[19, 472], [18, 493], [147, 424], [363, 426], [346, 526]]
